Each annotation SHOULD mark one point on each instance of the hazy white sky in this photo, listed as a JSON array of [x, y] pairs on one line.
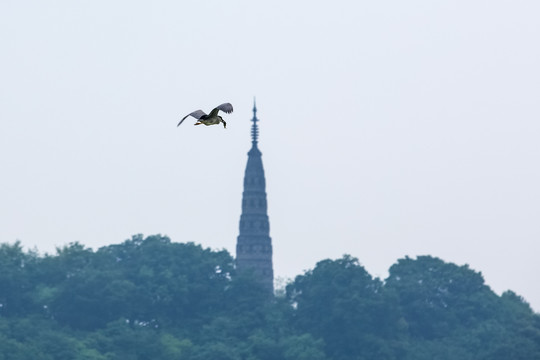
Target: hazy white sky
[[388, 128]]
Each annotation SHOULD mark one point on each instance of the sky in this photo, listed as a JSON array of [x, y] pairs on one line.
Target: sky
[[388, 128]]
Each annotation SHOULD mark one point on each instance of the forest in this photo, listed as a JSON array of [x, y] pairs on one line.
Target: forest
[[154, 299]]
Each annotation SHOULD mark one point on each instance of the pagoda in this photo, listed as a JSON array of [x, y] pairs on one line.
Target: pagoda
[[254, 245]]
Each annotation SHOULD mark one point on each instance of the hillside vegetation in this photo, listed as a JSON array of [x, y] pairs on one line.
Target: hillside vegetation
[[150, 298]]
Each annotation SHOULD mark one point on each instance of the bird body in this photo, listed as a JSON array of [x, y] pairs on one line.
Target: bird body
[[211, 119]]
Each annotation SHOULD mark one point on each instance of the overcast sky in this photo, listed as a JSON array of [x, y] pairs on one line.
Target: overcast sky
[[388, 128]]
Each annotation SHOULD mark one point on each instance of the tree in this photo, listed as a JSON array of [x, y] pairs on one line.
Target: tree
[[15, 282], [341, 303], [148, 280], [150, 298], [303, 347], [437, 297]]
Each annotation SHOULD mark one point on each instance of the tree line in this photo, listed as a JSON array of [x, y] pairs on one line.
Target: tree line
[[151, 298]]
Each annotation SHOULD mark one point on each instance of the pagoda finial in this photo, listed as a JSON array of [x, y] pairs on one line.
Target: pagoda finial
[[254, 127]]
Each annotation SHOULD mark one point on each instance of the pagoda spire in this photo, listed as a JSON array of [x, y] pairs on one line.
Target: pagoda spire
[[254, 126], [254, 245]]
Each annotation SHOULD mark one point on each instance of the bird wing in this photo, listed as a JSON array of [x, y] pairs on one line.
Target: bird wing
[[197, 114], [227, 107]]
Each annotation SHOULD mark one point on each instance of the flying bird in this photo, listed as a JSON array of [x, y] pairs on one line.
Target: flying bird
[[213, 118]]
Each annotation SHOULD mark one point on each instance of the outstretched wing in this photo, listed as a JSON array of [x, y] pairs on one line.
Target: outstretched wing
[[227, 107], [197, 114]]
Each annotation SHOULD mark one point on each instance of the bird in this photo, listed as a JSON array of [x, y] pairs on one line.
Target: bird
[[213, 118]]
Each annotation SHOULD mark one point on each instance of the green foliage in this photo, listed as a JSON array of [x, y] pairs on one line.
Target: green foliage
[[151, 281], [303, 347], [15, 280], [150, 298], [437, 298], [341, 303]]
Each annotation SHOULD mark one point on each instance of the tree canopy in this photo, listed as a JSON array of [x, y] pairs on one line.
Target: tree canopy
[[151, 298]]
